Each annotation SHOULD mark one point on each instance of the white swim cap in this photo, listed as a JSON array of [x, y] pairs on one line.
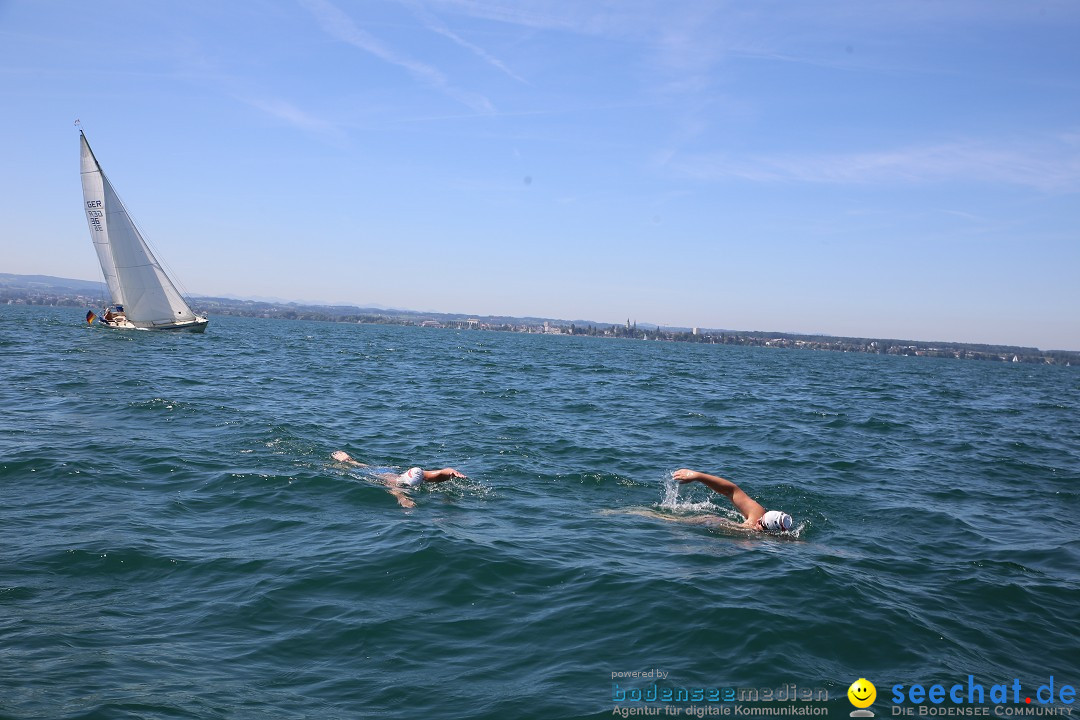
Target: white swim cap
[[775, 521], [412, 477]]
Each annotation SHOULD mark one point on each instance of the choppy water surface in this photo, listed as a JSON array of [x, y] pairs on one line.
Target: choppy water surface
[[176, 541]]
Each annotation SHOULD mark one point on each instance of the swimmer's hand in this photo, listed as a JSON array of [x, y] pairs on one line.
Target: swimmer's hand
[[685, 475], [342, 456]]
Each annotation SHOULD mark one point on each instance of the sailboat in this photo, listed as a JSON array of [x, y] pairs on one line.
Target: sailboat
[[143, 296]]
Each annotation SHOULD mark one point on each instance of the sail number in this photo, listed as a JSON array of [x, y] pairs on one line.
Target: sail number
[[94, 215]]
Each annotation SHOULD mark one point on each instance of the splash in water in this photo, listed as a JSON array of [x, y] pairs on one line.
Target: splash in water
[[673, 503]]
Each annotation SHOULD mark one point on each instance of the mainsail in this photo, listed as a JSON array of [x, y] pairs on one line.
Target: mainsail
[[135, 279]]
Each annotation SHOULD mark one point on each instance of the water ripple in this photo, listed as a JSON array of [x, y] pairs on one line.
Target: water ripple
[[177, 542]]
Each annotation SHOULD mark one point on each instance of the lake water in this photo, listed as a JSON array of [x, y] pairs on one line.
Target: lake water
[[175, 541]]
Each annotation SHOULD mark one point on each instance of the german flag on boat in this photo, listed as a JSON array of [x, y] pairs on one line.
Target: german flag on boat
[[90, 317]]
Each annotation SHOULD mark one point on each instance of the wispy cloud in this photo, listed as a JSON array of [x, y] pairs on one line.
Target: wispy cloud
[[292, 115], [536, 16], [1053, 166], [340, 26], [434, 25]]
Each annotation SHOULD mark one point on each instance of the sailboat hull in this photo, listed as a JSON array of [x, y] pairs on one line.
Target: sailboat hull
[[197, 325]]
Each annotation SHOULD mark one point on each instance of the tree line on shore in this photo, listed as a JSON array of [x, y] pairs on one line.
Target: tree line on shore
[[629, 330]]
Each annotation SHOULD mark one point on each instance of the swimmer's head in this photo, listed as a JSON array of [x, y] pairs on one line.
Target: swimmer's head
[[412, 477], [775, 521]]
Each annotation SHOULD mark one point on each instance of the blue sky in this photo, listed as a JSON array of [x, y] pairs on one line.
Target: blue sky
[[906, 170]]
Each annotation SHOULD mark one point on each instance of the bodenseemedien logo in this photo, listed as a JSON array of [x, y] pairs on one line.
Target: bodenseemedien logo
[[862, 694]]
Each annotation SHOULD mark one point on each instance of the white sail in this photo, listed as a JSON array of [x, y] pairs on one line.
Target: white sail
[[134, 276], [94, 202]]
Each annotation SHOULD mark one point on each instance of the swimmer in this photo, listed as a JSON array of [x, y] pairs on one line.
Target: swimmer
[[396, 483], [757, 518]]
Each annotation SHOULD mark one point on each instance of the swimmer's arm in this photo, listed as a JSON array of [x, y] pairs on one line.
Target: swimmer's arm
[[342, 456], [750, 508], [403, 500], [434, 476]]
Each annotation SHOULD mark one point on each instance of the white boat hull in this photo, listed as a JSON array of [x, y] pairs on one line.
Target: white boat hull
[[197, 325]]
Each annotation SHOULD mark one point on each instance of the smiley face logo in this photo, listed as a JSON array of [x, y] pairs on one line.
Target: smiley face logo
[[862, 693]]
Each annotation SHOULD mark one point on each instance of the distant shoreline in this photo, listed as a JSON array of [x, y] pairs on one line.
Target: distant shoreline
[[63, 292]]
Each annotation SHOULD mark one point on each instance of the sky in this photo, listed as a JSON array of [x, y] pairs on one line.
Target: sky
[[905, 170]]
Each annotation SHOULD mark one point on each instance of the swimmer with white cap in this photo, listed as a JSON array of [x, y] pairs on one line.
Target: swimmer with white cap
[[397, 483], [757, 518]]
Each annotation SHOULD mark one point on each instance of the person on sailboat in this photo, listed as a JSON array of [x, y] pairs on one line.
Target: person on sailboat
[[757, 517], [114, 316], [398, 483]]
